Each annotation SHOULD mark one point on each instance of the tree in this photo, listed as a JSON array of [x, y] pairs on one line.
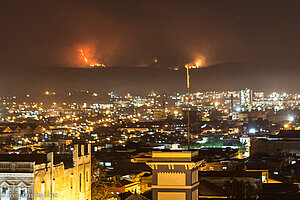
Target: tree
[[103, 188], [213, 142]]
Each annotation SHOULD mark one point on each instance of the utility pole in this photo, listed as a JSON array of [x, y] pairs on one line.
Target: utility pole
[[188, 101]]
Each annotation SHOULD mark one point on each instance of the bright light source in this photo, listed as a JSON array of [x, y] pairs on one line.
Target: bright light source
[[291, 118], [252, 130]]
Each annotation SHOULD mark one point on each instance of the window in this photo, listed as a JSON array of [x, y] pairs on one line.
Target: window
[[263, 179], [4, 193], [53, 187], [71, 181], [80, 183], [87, 176], [43, 192], [22, 193]]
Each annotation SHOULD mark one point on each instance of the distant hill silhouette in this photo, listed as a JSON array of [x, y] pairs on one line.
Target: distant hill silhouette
[[141, 80]]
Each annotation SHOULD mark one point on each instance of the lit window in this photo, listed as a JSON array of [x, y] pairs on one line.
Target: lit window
[[43, 192], [263, 179], [53, 187], [5, 193]]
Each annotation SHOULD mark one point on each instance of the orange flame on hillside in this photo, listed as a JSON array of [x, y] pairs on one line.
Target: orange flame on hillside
[[89, 59], [199, 62], [83, 56]]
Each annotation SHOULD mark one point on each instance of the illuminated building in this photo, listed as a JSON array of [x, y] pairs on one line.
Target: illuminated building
[[32, 176], [246, 99], [259, 95], [175, 175], [158, 114], [235, 115]]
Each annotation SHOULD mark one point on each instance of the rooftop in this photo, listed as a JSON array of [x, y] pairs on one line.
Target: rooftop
[[174, 155], [67, 159]]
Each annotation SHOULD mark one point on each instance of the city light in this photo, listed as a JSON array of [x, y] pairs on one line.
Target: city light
[[291, 118], [252, 130]]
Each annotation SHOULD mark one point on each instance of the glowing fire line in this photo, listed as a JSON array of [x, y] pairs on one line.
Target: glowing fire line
[[83, 56]]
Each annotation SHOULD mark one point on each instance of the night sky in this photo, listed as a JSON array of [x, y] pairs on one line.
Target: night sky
[[49, 33]]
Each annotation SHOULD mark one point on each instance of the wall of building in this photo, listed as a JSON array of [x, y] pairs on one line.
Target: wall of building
[[67, 184]]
